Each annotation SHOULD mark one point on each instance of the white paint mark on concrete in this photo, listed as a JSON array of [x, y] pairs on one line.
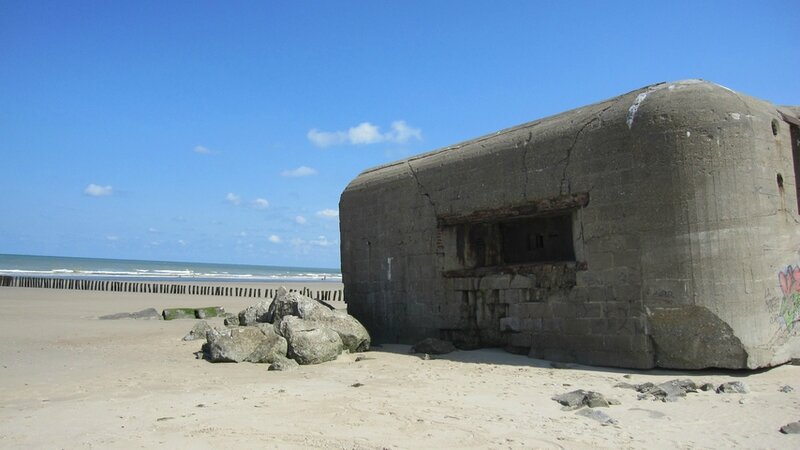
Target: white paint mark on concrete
[[389, 268], [723, 87], [688, 134], [635, 107], [736, 116]]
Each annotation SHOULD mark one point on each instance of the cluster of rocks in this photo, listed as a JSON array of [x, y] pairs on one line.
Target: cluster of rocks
[[668, 391], [292, 329], [579, 398], [673, 390]]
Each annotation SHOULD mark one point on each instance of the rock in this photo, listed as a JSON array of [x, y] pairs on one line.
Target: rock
[[293, 304], [310, 342], [625, 385], [791, 428], [355, 337], [707, 387], [149, 313], [580, 398], [254, 314], [597, 415], [209, 311], [231, 320], [258, 344], [786, 389], [733, 387], [596, 400], [433, 346], [668, 391], [284, 364], [178, 313], [198, 331]]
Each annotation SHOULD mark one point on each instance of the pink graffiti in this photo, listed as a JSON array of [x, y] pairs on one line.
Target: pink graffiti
[[790, 280]]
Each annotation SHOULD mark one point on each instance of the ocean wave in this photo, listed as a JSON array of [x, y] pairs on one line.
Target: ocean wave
[[183, 275]]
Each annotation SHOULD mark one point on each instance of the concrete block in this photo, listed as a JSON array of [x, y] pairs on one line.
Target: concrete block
[[495, 282], [536, 310], [616, 310], [522, 282], [588, 310], [523, 339], [510, 324], [512, 296], [617, 342], [464, 284]]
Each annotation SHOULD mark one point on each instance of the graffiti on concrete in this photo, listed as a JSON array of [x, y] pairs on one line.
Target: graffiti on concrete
[[789, 312]]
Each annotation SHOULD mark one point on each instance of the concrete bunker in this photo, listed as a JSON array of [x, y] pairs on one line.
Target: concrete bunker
[[657, 228]]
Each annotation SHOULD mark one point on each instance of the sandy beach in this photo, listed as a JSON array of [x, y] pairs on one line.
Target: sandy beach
[[69, 380]]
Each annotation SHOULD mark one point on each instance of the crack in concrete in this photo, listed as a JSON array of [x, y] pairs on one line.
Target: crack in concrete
[[567, 158], [422, 190], [526, 149]]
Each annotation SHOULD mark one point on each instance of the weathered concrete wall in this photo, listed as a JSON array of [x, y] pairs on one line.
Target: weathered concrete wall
[[679, 201]]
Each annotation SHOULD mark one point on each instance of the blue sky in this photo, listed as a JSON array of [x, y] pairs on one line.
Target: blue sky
[[226, 131]]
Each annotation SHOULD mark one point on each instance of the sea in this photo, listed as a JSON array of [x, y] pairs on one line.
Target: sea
[[139, 270]]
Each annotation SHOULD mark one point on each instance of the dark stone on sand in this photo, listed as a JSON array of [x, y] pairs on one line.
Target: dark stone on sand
[[733, 387], [149, 313], [791, 428], [580, 398]]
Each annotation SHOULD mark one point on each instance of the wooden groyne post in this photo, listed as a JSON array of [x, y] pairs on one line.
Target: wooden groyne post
[[162, 288]]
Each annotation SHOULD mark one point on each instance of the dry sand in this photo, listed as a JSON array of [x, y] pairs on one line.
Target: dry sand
[[68, 380]]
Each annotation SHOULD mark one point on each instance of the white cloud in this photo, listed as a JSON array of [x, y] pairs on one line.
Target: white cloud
[[202, 150], [95, 190], [233, 198], [112, 238], [401, 132], [182, 242], [321, 241], [153, 230], [301, 171], [328, 213], [365, 133], [297, 242], [326, 138], [300, 220], [260, 203], [275, 239]]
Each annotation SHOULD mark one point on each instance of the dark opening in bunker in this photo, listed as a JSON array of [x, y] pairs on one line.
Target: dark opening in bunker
[[510, 237], [511, 242], [537, 239]]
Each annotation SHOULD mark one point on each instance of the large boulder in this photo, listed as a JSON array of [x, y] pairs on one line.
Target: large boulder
[[254, 314], [257, 344], [355, 337], [310, 342], [294, 304]]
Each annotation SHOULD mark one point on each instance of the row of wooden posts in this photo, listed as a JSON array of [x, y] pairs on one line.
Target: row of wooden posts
[[161, 288]]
